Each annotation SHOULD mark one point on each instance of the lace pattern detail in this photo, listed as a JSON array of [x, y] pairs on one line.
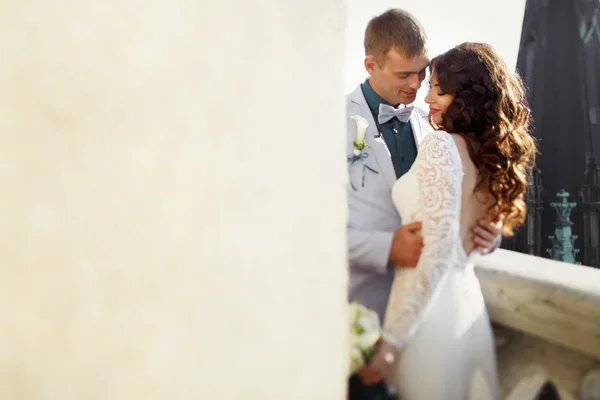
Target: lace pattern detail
[[439, 171]]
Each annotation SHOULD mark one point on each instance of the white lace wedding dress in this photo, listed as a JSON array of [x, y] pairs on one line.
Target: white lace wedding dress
[[436, 312]]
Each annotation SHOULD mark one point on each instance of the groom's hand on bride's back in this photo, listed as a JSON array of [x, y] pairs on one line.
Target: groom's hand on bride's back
[[487, 235], [407, 245]]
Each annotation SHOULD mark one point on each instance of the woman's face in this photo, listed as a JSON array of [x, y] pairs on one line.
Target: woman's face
[[438, 101]]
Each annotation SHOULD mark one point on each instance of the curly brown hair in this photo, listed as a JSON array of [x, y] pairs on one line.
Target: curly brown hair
[[490, 112]]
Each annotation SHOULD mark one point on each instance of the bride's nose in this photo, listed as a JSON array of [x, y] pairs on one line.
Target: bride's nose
[[428, 99]]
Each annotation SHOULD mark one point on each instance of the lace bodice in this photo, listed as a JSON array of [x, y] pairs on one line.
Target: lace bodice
[[429, 192]]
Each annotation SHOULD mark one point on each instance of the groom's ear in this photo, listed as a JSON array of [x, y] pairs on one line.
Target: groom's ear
[[370, 64]]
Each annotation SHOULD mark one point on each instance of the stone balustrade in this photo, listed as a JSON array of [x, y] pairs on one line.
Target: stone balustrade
[[546, 317]]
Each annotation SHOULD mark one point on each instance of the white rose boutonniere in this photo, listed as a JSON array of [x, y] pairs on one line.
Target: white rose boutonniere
[[359, 145]]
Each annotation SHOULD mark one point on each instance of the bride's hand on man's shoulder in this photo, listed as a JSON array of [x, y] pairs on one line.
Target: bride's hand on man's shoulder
[[486, 235], [381, 368]]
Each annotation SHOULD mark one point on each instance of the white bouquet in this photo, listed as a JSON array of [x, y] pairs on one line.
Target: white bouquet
[[365, 330]]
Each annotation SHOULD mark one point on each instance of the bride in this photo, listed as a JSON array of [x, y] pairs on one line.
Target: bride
[[437, 340]]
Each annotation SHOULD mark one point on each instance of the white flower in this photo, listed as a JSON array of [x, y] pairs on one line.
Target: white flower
[[361, 128], [362, 318], [365, 341], [365, 331], [369, 322], [357, 361], [354, 311]]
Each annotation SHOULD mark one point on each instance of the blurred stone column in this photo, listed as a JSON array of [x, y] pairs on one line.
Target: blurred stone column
[[173, 202], [535, 206], [590, 203]]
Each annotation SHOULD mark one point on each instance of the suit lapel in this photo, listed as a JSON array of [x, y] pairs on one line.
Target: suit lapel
[[374, 138], [416, 123]]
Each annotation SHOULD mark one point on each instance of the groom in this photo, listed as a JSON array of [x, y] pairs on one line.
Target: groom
[[396, 61]]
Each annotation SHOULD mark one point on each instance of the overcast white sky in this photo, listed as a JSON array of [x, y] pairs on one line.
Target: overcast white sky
[[447, 23]]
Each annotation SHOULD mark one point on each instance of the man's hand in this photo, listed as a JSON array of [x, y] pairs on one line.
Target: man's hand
[[381, 368], [407, 245], [486, 235]]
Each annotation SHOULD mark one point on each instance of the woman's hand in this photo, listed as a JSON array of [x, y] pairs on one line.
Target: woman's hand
[[381, 368]]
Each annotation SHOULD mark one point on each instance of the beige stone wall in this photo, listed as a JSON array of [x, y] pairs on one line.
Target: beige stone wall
[[163, 167]]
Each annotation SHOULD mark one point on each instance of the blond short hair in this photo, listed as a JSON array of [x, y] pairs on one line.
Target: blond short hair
[[398, 30]]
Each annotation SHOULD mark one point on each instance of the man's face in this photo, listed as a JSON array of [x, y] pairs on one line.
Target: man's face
[[398, 78]]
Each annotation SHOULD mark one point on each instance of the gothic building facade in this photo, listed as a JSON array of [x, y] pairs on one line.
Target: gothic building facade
[[559, 60]]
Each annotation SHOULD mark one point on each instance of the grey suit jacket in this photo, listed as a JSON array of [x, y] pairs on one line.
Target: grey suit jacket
[[372, 217]]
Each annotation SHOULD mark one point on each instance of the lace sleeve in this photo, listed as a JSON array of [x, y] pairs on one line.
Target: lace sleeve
[[439, 170]]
